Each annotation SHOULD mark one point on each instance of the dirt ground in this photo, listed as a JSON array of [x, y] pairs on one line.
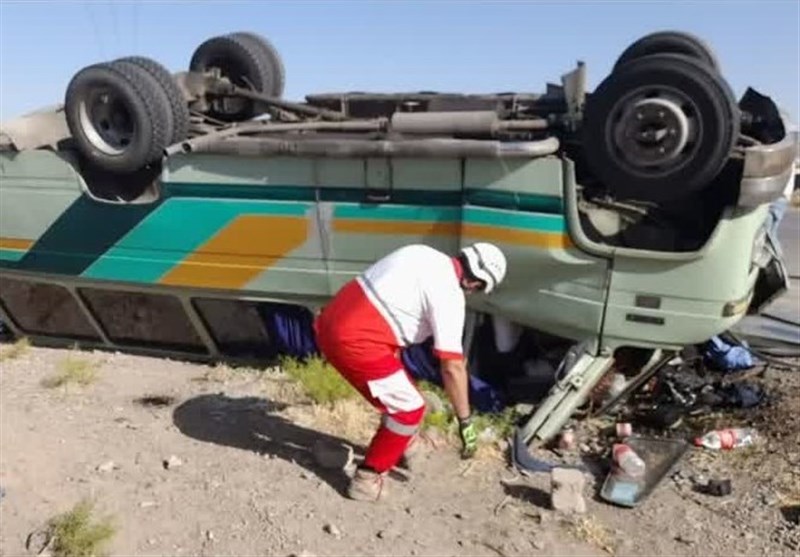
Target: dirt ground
[[249, 485]]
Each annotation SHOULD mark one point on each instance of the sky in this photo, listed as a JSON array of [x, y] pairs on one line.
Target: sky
[[454, 46]]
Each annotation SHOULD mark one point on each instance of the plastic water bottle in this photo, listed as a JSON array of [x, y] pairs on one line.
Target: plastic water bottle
[[727, 439], [627, 460]]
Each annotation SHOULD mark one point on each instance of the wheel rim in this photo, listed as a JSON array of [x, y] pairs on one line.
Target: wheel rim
[[654, 130], [107, 122]]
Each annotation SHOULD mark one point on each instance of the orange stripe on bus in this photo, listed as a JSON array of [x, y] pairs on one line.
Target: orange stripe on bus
[[16, 243], [364, 226], [484, 232], [239, 252], [516, 236]]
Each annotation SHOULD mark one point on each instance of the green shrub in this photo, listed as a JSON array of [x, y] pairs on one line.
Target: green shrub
[[320, 381], [502, 424], [75, 534]]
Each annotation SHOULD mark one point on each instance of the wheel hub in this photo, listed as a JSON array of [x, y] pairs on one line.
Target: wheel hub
[[653, 131], [107, 122]]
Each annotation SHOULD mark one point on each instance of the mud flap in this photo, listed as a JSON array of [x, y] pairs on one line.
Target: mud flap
[[522, 459]]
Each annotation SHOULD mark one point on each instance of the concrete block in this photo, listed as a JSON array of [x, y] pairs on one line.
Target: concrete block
[[567, 490]]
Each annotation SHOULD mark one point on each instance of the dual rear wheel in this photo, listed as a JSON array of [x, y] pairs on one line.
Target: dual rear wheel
[[123, 114]]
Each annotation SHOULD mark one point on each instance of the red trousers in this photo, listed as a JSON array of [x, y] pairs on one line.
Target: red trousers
[[355, 339]]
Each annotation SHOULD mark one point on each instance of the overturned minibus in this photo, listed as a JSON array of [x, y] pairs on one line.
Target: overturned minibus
[[156, 212]]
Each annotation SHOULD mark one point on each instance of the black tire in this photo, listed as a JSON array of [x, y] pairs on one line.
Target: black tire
[[271, 57], [669, 42], [177, 103], [145, 75], [118, 116], [641, 159], [240, 61]]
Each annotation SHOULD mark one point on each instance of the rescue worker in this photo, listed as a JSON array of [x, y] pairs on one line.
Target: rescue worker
[[411, 294]]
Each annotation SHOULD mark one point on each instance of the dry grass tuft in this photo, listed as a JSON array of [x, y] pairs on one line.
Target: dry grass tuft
[[72, 370], [351, 419], [592, 531], [219, 373], [19, 348]]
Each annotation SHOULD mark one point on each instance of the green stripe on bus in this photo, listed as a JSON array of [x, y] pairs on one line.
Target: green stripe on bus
[[175, 230]]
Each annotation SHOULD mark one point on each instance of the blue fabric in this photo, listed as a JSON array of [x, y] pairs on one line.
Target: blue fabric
[[422, 364], [727, 357], [291, 329]]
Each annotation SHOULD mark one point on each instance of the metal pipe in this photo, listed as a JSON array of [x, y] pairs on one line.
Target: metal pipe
[[298, 108], [266, 127], [474, 122], [340, 148], [532, 124]]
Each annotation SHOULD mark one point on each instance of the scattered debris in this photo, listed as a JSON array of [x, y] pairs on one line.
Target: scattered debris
[[566, 441], [501, 505], [210, 535], [627, 485], [624, 430], [147, 504], [628, 461], [333, 456], [717, 488], [155, 400], [107, 467], [172, 462], [791, 513], [333, 530], [39, 541], [727, 439], [567, 490]]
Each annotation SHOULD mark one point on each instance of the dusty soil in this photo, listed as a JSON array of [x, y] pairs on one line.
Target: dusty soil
[[248, 484]]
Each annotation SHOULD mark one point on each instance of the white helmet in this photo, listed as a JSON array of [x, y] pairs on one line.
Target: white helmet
[[486, 262]]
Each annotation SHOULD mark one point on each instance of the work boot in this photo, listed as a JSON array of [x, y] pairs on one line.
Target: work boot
[[367, 485]]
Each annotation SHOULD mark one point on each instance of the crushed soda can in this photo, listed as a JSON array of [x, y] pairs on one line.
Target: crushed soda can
[[624, 430]]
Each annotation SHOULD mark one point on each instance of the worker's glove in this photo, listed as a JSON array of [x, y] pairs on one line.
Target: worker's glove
[[469, 437]]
